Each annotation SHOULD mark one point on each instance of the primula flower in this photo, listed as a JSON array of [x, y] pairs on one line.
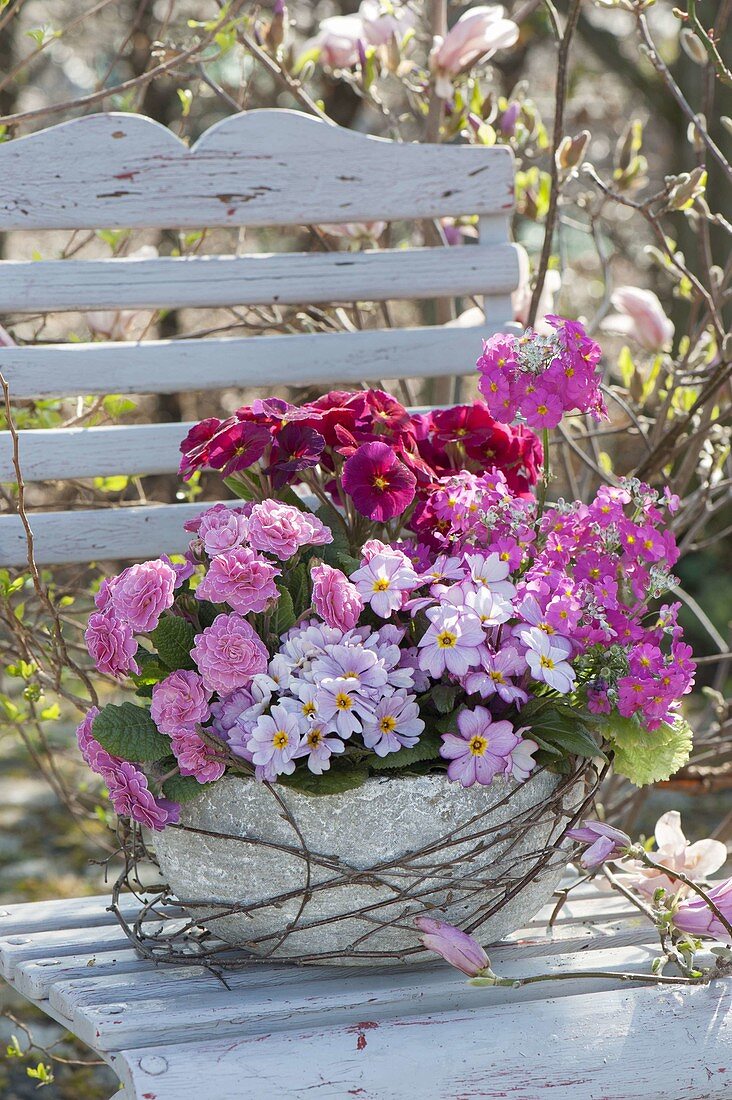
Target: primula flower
[[695, 916], [141, 593], [229, 653], [361, 667], [231, 712], [380, 485], [395, 724], [282, 530], [491, 572], [131, 797], [456, 947], [221, 528], [196, 757], [195, 446], [236, 446], [604, 842], [110, 645], [95, 757], [179, 702], [547, 658], [335, 598], [241, 578], [451, 643], [521, 763], [275, 740], [297, 447], [482, 749], [697, 861], [383, 581], [340, 703], [318, 747]]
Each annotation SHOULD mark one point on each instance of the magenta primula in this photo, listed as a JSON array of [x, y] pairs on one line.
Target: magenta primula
[[433, 615]]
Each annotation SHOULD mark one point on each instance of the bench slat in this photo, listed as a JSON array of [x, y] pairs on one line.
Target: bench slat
[[177, 366], [265, 167], [293, 278], [104, 534], [336, 998], [628, 1044]]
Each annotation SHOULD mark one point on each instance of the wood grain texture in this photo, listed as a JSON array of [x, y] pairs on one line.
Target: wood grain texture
[[624, 1044], [266, 167], [176, 366], [290, 278], [105, 534]]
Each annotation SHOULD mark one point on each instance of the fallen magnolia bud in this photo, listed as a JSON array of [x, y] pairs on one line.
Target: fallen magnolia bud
[[455, 946]]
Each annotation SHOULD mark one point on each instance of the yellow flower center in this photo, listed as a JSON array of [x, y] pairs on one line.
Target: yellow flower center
[[542, 410], [343, 701], [478, 745], [280, 739], [381, 584], [380, 482], [446, 639], [546, 662], [546, 627], [308, 709], [314, 738], [387, 723], [497, 677]]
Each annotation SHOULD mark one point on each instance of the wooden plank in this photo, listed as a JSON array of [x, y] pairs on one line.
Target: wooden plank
[[105, 534], [172, 282], [35, 977], [338, 998], [29, 917], [624, 1044], [177, 366], [266, 167]]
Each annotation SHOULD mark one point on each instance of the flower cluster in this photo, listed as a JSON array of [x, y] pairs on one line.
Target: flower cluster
[[431, 614], [365, 447], [541, 376]]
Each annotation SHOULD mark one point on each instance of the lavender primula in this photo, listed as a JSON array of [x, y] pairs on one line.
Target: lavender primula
[[481, 750]]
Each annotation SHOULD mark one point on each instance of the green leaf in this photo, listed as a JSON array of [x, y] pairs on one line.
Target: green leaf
[[283, 615], [333, 520], [207, 612], [183, 788], [331, 782], [338, 558], [572, 737], [173, 638], [427, 748], [129, 732], [297, 582], [444, 696], [648, 756]]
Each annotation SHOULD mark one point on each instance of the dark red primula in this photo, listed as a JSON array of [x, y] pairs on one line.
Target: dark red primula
[[379, 484]]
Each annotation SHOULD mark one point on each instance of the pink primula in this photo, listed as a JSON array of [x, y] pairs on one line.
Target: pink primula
[[482, 749], [335, 598], [141, 593], [242, 578], [229, 653], [111, 645], [282, 530], [180, 702]]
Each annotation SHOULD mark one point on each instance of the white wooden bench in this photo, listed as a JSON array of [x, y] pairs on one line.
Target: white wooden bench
[[175, 1033], [263, 168]]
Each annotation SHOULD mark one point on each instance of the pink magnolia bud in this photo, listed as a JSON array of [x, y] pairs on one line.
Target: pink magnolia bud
[[640, 315], [605, 842], [381, 25], [455, 947], [696, 917], [476, 36], [336, 42]]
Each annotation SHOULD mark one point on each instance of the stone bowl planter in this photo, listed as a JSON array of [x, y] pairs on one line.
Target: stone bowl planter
[[340, 878]]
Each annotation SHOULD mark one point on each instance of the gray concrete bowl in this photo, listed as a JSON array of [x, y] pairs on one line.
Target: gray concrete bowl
[[297, 892]]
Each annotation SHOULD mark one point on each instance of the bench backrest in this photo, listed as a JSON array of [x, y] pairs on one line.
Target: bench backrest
[[261, 168]]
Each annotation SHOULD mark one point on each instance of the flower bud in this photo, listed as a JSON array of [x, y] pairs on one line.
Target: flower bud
[[455, 947], [693, 46], [571, 151]]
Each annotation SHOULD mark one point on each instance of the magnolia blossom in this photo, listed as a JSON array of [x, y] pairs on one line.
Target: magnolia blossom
[[697, 861], [604, 842], [455, 947], [696, 917], [640, 316], [476, 36]]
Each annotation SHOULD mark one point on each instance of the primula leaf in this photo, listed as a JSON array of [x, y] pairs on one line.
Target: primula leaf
[[183, 788], [173, 639], [427, 748], [574, 739], [331, 782], [207, 612], [298, 585], [283, 615], [129, 732], [331, 517], [648, 756], [338, 558], [444, 696]]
